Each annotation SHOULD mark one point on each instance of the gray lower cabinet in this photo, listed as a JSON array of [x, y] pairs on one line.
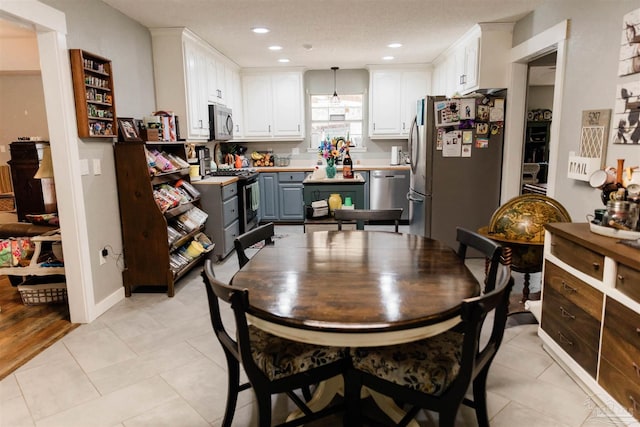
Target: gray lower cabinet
[[281, 196], [220, 202], [290, 199], [269, 196]]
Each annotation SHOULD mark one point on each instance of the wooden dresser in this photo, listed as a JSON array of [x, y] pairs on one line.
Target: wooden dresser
[[591, 314]]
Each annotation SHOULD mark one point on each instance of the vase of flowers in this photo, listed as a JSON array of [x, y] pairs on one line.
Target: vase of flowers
[[331, 153], [331, 168]]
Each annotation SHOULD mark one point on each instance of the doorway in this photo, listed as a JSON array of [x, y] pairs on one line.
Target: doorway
[[50, 27], [539, 116]]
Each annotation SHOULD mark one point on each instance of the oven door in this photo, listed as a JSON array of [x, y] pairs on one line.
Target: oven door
[[251, 199]]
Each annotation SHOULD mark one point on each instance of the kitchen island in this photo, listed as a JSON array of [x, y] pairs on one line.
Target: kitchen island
[[321, 188]]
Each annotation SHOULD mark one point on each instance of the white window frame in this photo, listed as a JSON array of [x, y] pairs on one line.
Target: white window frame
[[316, 137]]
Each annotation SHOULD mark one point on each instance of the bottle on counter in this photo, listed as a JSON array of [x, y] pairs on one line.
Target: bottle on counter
[[347, 165]]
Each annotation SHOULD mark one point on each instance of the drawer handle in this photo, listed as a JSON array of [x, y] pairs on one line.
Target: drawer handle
[[596, 266], [620, 278], [567, 287], [565, 339], [636, 368], [566, 314]]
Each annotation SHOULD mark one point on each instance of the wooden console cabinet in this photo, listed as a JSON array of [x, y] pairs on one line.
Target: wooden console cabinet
[[32, 196], [591, 314]]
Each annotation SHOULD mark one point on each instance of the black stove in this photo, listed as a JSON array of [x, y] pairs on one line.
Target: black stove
[[242, 174]]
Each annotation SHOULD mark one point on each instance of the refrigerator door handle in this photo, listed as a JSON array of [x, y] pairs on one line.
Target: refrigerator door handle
[[414, 144], [412, 198]]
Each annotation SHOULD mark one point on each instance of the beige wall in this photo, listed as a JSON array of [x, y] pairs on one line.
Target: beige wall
[[590, 83], [96, 27], [22, 111]]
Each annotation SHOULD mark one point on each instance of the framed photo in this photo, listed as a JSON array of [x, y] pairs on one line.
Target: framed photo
[[127, 130]]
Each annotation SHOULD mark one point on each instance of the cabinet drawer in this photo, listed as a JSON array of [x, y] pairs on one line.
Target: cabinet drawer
[[581, 294], [229, 210], [572, 328], [229, 191], [569, 316], [628, 281], [621, 338], [230, 233], [621, 387], [577, 256], [291, 176]]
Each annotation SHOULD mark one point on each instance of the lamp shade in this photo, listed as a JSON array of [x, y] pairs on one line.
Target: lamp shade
[[46, 165]]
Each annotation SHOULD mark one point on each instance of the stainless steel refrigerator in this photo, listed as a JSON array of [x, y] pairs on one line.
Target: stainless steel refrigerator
[[456, 164]]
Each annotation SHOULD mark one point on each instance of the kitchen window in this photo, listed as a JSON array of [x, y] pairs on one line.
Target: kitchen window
[[336, 119]]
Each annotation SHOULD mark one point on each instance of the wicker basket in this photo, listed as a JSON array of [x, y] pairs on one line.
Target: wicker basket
[[47, 293]]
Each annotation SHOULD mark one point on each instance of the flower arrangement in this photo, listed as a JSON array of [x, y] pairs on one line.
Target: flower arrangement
[[332, 149]]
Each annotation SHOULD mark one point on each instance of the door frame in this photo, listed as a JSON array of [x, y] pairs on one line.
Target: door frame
[[552, 39], [51, 29]]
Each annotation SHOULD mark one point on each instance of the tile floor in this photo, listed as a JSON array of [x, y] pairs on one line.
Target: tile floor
[[153, 361]]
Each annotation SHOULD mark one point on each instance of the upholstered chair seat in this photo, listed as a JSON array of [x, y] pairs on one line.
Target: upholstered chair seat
[[428, 366], [279, 358]]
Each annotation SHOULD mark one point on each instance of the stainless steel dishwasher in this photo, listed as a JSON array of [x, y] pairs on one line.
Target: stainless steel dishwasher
[[388, 189]]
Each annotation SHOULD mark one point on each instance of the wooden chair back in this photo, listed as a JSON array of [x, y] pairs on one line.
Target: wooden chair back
[[262, 233], [491, 250], [368, 215]]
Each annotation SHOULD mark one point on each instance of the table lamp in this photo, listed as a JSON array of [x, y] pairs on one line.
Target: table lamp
[[45, 174]]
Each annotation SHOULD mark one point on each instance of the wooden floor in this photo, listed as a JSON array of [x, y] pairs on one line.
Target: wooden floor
[[27, 330]]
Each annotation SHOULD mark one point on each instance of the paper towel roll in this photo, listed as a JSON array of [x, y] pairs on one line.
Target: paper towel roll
[[395, 155]]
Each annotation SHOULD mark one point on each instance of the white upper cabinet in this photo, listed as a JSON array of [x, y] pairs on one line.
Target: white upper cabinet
[[273, 105], [189, 76], [195, 65], [479, 60], [235, 103], [392, 103]]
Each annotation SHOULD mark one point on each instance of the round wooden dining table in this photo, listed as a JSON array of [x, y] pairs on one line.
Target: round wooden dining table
[[355, 289]]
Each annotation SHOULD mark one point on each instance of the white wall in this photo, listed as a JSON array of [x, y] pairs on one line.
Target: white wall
[[590, 83], [95, 27]]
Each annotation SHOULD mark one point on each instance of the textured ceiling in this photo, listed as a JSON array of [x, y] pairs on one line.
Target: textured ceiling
[[343, 33]]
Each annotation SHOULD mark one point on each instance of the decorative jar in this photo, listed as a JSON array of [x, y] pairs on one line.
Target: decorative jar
[[335, 202]]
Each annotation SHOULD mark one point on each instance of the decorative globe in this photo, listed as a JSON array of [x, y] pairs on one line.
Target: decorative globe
[[519, 224]]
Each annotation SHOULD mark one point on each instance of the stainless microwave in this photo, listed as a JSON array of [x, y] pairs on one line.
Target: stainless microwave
[[220, 123]]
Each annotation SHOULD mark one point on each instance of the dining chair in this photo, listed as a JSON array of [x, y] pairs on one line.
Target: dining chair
[[368, 215], [263, 233], [273, 365], [491, 250], [435, 373]]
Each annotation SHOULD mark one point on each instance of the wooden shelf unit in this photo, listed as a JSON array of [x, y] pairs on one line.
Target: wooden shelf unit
[[94, 95], [147, 250]]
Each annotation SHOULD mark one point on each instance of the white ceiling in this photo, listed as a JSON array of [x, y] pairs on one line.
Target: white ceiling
[[343, 33]]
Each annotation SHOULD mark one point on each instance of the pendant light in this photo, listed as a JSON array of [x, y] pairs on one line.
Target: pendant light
[[335, 99]]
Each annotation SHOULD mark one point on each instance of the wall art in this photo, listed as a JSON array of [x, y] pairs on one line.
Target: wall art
[[629, 61], [626, 114]]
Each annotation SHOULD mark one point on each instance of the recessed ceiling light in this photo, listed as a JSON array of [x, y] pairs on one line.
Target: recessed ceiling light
[[387, 58], [275, 47], [394, 45], [283, 60], [260, 30]]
